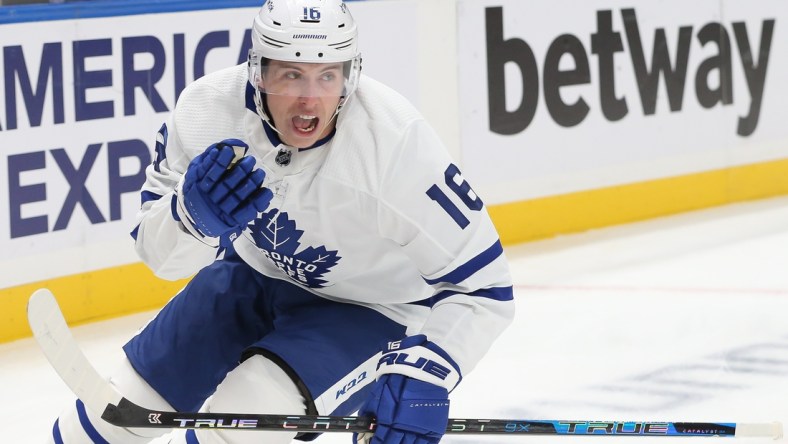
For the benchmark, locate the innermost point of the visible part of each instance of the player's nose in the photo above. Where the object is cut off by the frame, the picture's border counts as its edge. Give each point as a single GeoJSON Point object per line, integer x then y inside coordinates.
{"type": "Point", "coordinates": [309, 90]}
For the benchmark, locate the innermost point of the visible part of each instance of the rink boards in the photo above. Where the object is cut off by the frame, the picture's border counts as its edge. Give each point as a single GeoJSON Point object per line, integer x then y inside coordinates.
{"type": "Point", "coordinates": [563, 117]}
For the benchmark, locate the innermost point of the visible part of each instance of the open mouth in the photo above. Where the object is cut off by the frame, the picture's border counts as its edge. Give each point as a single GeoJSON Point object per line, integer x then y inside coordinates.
{"type": "Point", "coordinates": [305, 124]}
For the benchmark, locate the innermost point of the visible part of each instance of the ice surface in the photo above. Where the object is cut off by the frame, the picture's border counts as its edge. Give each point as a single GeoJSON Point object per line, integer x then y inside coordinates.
{"type": "Point", "coordinates": [682, 318]}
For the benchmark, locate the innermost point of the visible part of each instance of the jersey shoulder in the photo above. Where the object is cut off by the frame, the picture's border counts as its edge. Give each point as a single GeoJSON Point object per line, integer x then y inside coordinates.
{"type": "Point", "coordinates": [219, 84]}
{"type": "Point", "coordinates": [211, 108]}
{"type": "Point", "coordinates": [382, 106]}
{"type": "Point", "coordinates": [374, 131]}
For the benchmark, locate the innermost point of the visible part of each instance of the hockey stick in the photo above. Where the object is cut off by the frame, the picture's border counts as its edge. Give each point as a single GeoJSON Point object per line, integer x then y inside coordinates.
{"type": "Point", "coordinates": [55, 339]}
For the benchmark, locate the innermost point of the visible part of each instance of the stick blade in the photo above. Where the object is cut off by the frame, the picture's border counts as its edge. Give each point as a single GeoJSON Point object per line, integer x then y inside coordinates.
{"type": "Point", "coordinates": [53, 336]}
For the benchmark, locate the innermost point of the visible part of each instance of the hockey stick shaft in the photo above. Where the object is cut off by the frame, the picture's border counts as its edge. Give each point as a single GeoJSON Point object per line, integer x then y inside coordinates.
{"type": "Point", "coordinates": [67, 359]}
{"type": "Point", "coordinates": [128, 414]}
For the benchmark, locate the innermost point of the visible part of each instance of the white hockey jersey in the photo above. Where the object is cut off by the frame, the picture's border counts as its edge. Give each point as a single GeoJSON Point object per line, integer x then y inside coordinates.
{"type": "Point", "coordinates": [378, 215]}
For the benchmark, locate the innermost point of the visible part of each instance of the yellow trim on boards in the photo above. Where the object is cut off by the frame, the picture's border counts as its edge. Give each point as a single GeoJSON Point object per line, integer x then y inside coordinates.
{"type": "Point", "coordinates": [88, 297]}
{"type": "Point", "coordinates": [132, 288]}
{"type": "Point", "coordinates": [530, 220]}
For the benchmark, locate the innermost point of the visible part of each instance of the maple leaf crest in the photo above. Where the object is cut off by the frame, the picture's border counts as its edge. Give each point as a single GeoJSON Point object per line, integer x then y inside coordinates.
{"type": "Point", "coordinates": [278, 237]}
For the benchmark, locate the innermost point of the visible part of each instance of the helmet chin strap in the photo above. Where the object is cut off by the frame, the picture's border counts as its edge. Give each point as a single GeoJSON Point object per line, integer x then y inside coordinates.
{"type": "Point", "coordinates": [262, 110]}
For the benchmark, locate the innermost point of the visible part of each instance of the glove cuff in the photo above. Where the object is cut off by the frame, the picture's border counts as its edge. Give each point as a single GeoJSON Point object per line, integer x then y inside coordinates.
{"type": "Point", "coordinates": [186, 219]}
{"type": "Point", "coordinates": [426, 362]}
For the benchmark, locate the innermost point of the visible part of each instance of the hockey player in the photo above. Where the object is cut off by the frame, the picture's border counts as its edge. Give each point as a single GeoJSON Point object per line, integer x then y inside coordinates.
{"type": "Point", "coordinates": [324, 223]}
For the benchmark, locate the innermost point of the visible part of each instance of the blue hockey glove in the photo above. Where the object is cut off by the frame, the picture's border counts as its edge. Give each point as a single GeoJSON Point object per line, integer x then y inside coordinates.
{"type": "Point", "coordinates": [220, 197]}
{"type": "Point", "coordinates": [410, 399]}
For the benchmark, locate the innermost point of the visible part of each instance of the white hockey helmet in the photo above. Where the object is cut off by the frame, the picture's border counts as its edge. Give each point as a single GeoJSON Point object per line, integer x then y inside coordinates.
{"type": "Point", "coordinates": [308, 31]}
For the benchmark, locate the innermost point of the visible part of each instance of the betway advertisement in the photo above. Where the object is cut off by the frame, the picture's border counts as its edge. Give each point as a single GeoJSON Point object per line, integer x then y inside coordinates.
{"type": "Point", "coordinates": [563, 96]}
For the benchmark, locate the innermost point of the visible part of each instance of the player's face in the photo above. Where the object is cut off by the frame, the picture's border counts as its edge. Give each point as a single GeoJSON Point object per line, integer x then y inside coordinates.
{"type": "Point", "coordinates": [302, 98]}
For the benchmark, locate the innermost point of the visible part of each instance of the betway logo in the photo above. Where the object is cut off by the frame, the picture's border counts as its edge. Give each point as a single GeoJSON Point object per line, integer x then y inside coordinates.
{"type": "Point", "coordinates": [713, 76]}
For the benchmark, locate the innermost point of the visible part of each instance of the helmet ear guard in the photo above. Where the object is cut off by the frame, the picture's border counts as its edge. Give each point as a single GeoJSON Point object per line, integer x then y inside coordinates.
{"type": "Point", "coordinates": [304, 31]}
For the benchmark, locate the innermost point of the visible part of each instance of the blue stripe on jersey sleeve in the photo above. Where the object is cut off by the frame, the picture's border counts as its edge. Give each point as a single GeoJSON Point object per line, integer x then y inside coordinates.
{"type": "Point", "coordinates": [161, 147]}
{"type": "Point", "coordinates": [147, 196]}
{"type": "Point", "coordinates": [467, 269]}
{"type": "Point", "coordinates": [495, 293]}
{"type": "Point", "coordinates": [174, 207]}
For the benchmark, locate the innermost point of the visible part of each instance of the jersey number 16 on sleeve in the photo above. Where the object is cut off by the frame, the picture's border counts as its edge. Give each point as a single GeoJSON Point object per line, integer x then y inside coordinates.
{"type": "Point", "coordinates": [462, 190]}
